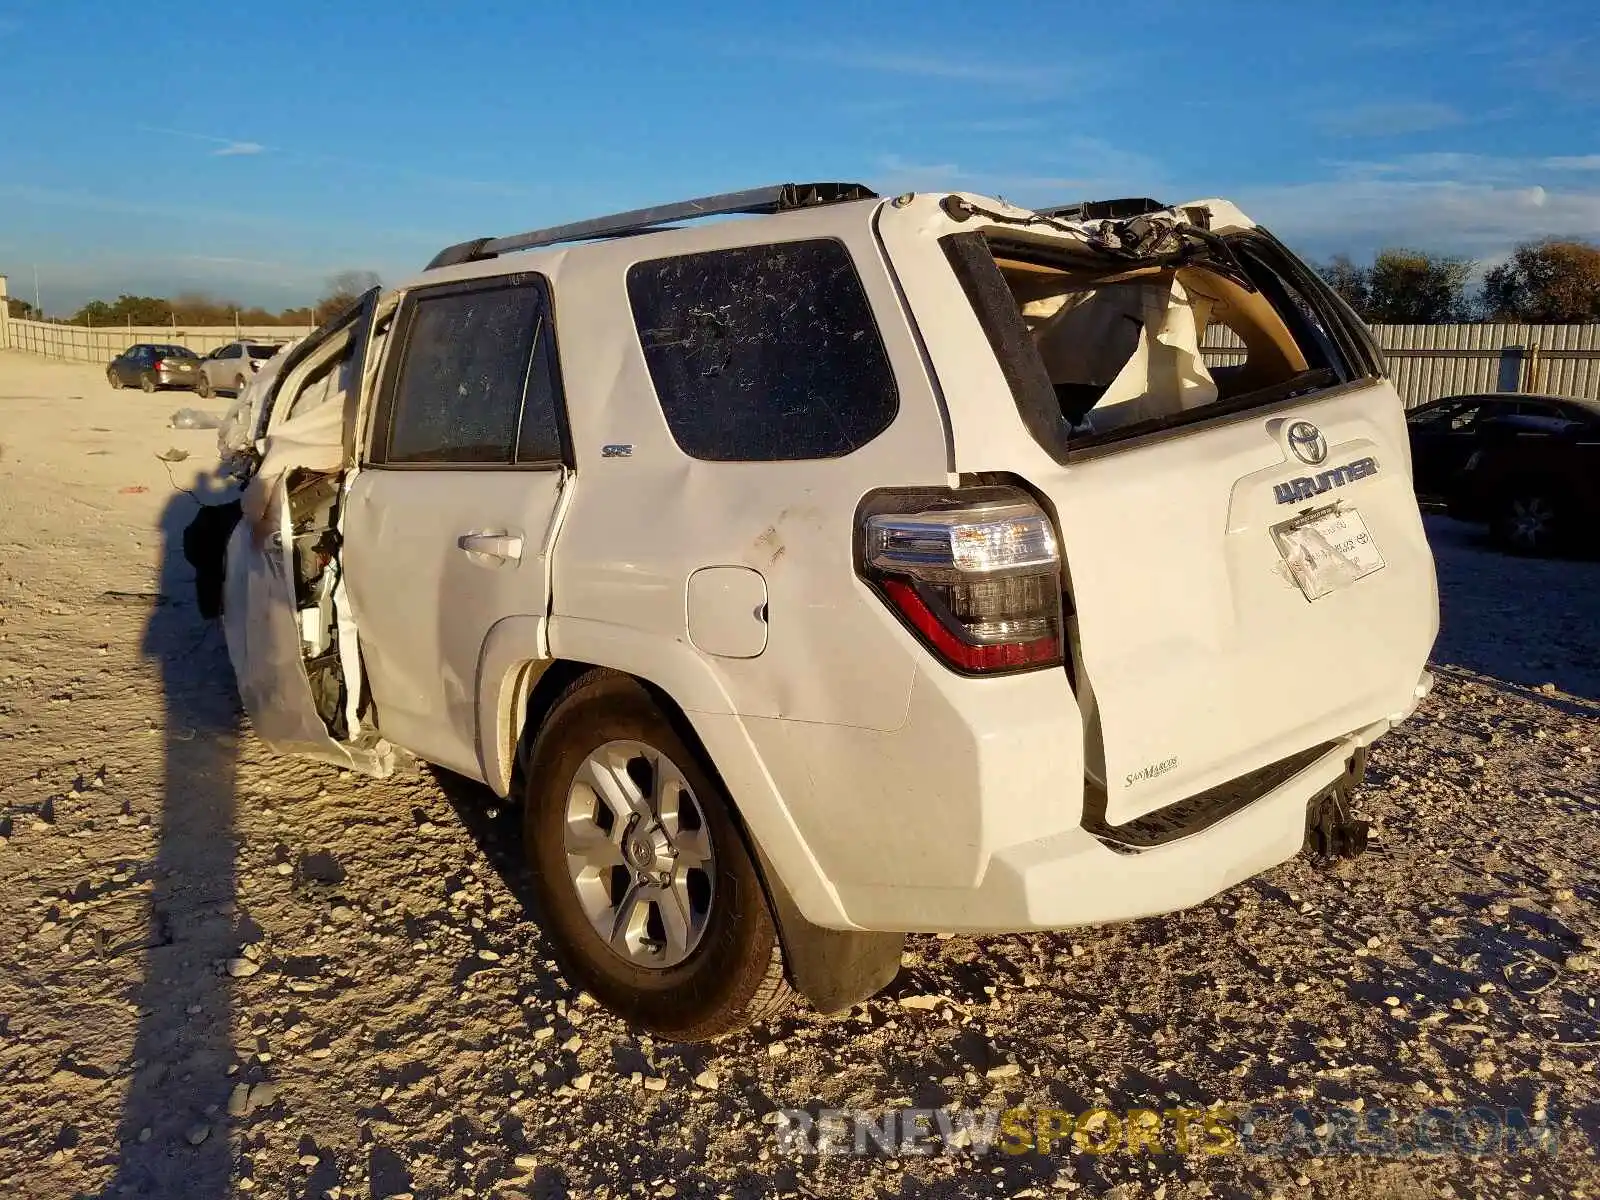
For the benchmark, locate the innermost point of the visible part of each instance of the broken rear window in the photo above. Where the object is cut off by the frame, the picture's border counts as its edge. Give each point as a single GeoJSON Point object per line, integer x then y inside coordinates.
{"type": "Point", "coordinates": [1098, 349]}
{"type": "Point", "coordinates": [764, 353]}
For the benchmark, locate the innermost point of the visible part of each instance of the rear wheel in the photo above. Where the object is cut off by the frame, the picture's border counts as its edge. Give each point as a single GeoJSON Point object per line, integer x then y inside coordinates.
{"type": "Point", "coordinates": [202, 386]}
{"type": "Point", "coordinates": [648, 893]}
{"type": "Point", "coordinates": [147, 383]}
{"type": "Point", "coordinates": [1529, 522]}
{"type": "Point", "coordinates": [114, 380]}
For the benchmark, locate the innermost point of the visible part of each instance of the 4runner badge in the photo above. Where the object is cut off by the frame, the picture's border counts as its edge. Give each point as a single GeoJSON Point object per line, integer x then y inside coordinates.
{"type": "Point", "coordinates": [1306, 487]}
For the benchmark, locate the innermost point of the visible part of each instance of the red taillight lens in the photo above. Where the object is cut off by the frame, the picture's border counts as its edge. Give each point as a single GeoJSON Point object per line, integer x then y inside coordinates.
{"type": "Point", "coordinates": [161, 364]}
{"type": "Point", "coordinates": [975, 574]}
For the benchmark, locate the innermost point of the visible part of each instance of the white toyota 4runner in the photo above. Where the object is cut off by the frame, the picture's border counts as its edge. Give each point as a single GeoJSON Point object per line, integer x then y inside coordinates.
{"type": "Point", "coordinates": [857, 567]}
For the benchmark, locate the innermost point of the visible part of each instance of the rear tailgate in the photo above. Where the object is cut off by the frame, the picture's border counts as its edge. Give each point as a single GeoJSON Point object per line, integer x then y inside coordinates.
{"type": "Point", "coordinates": [1247, 569]}
{"type": "Point", "coordinates": [1203, 658]}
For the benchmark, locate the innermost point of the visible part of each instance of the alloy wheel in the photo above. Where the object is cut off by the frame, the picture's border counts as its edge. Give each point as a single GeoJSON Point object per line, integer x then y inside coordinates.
{"type": "Point", "coordinates": [639, 854]}
{"type": "Point", "coordinates": [1531, 519]}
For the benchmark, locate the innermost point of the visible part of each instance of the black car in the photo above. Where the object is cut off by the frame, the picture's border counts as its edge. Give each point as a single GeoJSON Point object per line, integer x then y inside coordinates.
{"type": "Point", "coordinates": [152, 365]}
{"type": "Point", "coordinates": [1444, 433]}
{"type": "Point", "coordinates": [1529, 467]}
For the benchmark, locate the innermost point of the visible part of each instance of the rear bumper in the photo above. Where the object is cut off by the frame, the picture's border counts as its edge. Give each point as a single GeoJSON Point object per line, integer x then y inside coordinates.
{"type": "Point", "coordinates": [1075, 878]}
{"type": "Point", "coordinates": [177, 379]}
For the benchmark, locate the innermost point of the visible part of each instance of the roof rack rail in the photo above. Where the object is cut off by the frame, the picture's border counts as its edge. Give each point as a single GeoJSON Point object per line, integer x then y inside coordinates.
{"type": "Point", "coordinates": [1105, 210]}
{"type": "Point", "coordinates": [762, 201]}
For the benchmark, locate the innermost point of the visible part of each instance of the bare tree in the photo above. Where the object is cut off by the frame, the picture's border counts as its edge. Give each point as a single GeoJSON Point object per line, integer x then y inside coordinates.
{"type": "Point", "coordinates": [343, 290]}
{"type": "Point", "coordinates": [1353, 283]}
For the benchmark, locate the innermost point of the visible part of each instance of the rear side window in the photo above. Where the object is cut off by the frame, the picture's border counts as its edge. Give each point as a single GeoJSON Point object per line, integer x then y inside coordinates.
{"type": "Point", "coordinates": [463, 372]}
{"type": "Point", "coordinates": [764, 353]}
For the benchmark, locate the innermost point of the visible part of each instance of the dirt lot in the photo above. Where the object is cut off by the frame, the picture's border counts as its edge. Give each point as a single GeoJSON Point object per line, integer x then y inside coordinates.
{"type": "Point", "coordinates": [224, 973]}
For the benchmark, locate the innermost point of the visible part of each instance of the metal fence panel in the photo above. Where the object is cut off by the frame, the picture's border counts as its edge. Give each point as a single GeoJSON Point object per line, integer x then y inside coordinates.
{"type": "Point", "coordinates": [1425, 361]}
{"type": "Point", "coordinates": [80, 343]}
{"type": "Point", "coordinates": [1429, 361]}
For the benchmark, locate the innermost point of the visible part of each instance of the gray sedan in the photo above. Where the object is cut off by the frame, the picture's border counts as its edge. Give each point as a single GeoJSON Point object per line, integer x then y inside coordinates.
{"type": "Point", "coordinates": [153, 365]}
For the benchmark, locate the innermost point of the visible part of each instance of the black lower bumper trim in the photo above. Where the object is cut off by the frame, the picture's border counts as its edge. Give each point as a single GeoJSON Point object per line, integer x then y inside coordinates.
{"type": "Point", "coordinates": [1200, 811]}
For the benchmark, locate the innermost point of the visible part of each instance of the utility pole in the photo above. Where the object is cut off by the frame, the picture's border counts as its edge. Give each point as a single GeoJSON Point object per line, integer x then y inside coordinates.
{"type": "Point", "coordinates": [37, 307]}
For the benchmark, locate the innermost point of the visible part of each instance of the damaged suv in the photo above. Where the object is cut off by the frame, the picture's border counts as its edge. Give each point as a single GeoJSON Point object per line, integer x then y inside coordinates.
{"type": "Point", "coordinates": [859, 567]}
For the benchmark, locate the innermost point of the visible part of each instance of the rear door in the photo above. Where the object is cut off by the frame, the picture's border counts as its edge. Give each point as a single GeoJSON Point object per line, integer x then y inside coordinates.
{"type": "Point", "coordinates": [1247, 569]}
{"type": "Point", "coordinates": [267, 629]}
{"type": "Point", "coordinates": [449, 525]}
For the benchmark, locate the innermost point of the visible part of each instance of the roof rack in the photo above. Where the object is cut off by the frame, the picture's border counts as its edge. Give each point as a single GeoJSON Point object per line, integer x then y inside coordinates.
{"type": "Point", "coordinates": [1105, 210]}
{"type": "Point", "coordinates": [763, 201]}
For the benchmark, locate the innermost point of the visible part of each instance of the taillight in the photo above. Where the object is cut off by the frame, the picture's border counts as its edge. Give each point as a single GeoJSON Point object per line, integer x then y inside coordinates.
{"type": "Point", "coordinates": [975, 574]}
{"type": "Point", "coordinates": [161, 364]}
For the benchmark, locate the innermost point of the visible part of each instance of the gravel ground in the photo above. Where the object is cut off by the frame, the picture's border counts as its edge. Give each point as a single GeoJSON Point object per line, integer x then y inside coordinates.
{"type": "Point", "coordinates": [223, 972]}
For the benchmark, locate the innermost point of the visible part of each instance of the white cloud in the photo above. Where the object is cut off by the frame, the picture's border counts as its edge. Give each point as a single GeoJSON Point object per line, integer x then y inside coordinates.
{"type": "Point", "coordinates": [1471, 205]}
{"type": "Point", "coordinates": [1089, 169]}
{"type": "Point", "coordinates": [1013, 77]}
{"type": "Point", "coordinates": [1566, 71]}
{"type": "Point", "coordinates": [1389, 119]}
{"type": "Point", "coordinates": [237, 148]}
{"type": "Point", "coordinates": [1362, 216]}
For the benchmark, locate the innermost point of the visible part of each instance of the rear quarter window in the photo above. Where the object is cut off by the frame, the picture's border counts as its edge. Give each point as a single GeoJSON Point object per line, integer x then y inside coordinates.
{"type": "Point", "coordinates": [763, 353]}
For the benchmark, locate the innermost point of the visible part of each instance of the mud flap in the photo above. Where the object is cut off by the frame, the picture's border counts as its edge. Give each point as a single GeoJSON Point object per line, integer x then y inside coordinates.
{"type": "Point", "coordinates": [832, 968]}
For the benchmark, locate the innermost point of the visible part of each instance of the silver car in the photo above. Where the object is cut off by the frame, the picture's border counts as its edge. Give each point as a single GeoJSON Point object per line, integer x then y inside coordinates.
{"type": "Point", "coordinates": [228, 368]}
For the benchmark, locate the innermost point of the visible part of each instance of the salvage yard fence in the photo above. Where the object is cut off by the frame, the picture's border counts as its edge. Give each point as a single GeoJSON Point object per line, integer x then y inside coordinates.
{"type": "Point", "coordinates": [1429, 361]}
{"type": "Point", "coordinates": [1425, 361]}
{"type": "Point", "coordinates": [84, 343]}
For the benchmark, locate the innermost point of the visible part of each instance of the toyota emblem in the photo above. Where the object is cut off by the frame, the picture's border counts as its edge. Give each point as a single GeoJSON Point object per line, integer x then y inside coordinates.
{"type": "Point", "coordinates": [1307, 442]}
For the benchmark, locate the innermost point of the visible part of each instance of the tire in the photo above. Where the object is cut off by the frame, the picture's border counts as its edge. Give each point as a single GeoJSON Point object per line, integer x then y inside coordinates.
{"type": "Point", "coordinates": [147, 383]}
{"type": "Point", "coordinates": [719, 966]}
{"type": "Point", "coordinates": [1529, 521]}
{"type": "Point", "coordinates": [202, 386]}
{"type": "Point", "coordinates": [114, 380]}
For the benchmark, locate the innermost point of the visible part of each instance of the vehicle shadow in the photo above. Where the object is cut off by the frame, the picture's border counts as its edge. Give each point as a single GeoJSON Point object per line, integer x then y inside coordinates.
{"type": "Point", "coordinates": [172, 1140]}
{"type": "Point", "coordinates": [496, 826]}
{"type": "Point", "coordinates": [1526, 621]}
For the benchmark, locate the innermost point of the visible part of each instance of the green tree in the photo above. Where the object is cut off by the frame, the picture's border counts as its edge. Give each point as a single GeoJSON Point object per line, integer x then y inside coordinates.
{"type": "Point", "coordinates": [125, 310]}
{"type": "Point", "coordinates": [1553, 281]}
{"type": "Point", "coordinates": [21, 309]}
{"type": "Point", "coordinates": [1412, 287]}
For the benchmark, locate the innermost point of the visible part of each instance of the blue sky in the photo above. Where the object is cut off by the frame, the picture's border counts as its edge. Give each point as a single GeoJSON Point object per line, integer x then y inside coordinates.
{"type": "Point", "coordinates": [253, 150]}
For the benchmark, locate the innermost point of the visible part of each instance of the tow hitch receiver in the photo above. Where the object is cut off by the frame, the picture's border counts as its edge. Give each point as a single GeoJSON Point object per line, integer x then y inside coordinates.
{"type": "Point", "coordinates": [1331, 832]}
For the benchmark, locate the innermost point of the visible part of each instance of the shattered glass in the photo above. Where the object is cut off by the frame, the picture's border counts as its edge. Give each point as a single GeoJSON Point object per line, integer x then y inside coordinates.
{"type": "Point", "coordinates": [764, 353]}
{"type": "Point", "coordinates": [466, 365]}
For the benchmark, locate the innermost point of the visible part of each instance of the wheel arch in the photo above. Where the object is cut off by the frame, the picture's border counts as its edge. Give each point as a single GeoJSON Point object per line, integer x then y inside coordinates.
{"type": "Point", "coordinates": [832, 967]}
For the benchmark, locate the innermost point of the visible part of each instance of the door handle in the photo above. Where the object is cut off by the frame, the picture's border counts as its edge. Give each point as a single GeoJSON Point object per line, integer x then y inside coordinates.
{"type": "Point", "coordinates": [506, 547]}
